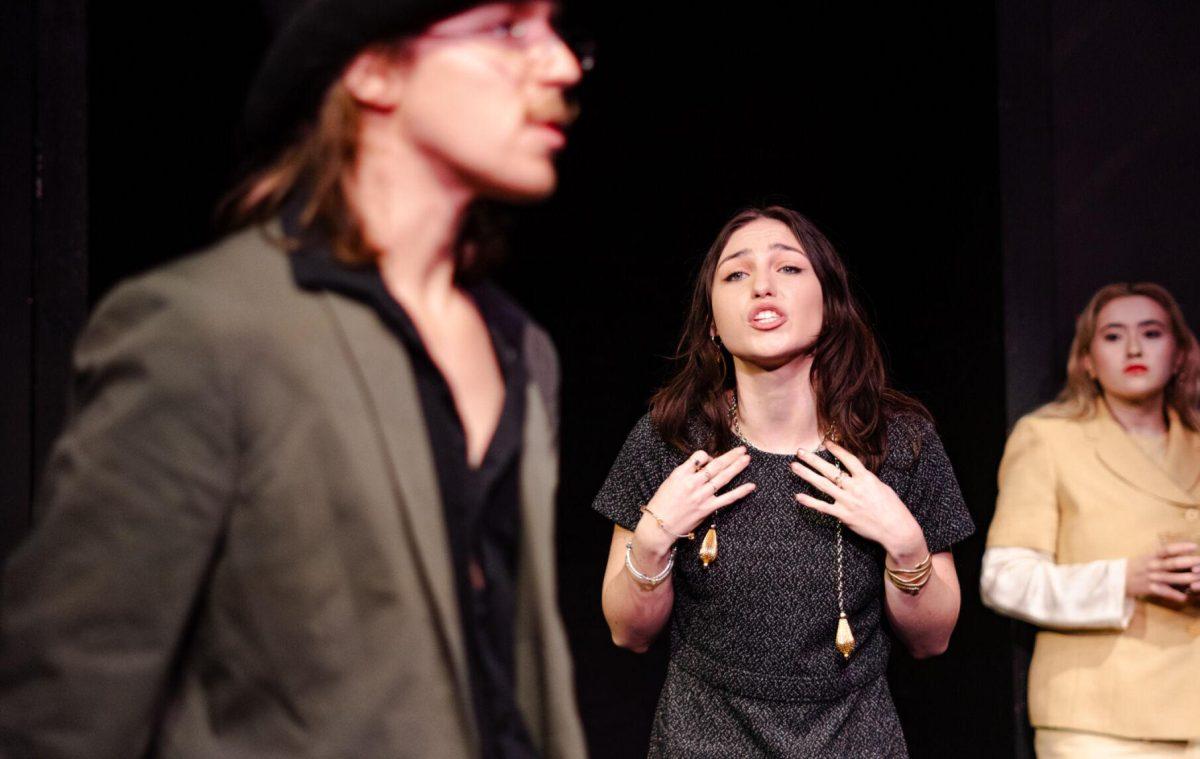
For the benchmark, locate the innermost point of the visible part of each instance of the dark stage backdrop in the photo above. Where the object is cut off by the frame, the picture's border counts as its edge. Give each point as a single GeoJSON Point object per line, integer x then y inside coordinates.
{"type": "Point", "coordinates": [1100, 178]}
{"type": "Point", "coordinates": [881, 127]}
{"type": "Point", "coordinates": [1100, 110]}
{"type": "Point", "coordinates": [880, 124]}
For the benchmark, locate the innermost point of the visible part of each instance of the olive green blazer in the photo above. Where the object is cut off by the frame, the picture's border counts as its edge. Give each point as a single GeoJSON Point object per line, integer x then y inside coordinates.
{"type": "Point", "coordinates": [1083, 491]}
{"type": "Point", "coordinates": [240, 548]}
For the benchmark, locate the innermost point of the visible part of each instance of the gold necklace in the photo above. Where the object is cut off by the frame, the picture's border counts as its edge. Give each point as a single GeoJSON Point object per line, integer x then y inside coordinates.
{"type": "Point", "coordinates": [843, 639]}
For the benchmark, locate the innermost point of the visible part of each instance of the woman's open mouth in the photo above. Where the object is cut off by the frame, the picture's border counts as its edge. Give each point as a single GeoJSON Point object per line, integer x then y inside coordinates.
{"type": "Point", "coordinates": [766, 318]}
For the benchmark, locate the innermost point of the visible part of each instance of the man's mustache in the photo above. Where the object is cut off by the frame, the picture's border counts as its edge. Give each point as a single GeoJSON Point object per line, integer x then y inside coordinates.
{"type": "Point", "coordinates": [553, 108]}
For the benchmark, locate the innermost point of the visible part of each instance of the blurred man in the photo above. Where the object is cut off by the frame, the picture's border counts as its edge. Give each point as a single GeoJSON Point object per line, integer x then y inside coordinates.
{"type": "Point", "coordinates": [304, 504]}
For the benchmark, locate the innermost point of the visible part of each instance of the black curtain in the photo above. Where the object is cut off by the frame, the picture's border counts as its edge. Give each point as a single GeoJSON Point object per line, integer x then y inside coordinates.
{"type": "Point", "coordinates": [981, 169]}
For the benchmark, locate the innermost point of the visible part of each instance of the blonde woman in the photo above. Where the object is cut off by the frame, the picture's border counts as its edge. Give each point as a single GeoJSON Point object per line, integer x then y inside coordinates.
{"type": "Point", "coordinates": [1095, 536]}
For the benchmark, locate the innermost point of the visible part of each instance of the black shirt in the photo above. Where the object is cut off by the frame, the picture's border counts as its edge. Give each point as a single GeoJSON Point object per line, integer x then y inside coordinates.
{"type": "Point", "coordinates": [481, 506]}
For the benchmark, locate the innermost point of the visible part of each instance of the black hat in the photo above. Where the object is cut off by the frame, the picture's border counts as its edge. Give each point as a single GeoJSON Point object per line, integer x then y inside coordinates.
{"type": "Point", "coordinates": [312, 41]}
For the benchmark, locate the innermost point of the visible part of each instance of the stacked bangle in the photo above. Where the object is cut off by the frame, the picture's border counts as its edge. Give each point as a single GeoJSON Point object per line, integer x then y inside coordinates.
{"type": "Point", "coordinates": [663, 527]}
{"type": "Point", "coordinates": [911, 580]}
{"type": "Point", "coordinates": [645, 580]}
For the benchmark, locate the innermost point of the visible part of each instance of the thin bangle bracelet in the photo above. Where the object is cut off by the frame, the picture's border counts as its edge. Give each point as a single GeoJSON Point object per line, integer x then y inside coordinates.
{"type": "Point", "coordinates": [643, 579]}
{"type": "Point", "coordinates": [912, 580]}
{"type": "Point", "coordinates": [921, 567]}
{"type": "Point", "coordinates": [663, 527]}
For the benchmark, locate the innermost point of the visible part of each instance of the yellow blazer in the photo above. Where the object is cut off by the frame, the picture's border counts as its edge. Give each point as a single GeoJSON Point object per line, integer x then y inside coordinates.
{"type": "Point", "coordinates": [1082, 490]}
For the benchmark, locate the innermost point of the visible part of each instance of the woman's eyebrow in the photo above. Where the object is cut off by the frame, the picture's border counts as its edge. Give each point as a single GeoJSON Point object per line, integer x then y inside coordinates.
{"type": "Point", "coordinates": [1142, 323]}
{"type": "Point", "coordinates": [785, 246]}
{"type": "Point", "coordinates": [732, 256]}
{"type": "Point", "coordinates": [772, 246]}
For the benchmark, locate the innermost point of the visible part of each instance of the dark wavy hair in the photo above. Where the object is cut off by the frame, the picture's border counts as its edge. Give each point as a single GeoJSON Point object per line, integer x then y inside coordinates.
{"type": "Point", "coordinates": [848, 379]}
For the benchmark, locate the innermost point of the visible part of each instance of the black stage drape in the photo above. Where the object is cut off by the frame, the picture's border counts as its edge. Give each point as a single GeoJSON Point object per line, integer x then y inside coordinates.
{"type": "Point", "coordinates": [982, 169]}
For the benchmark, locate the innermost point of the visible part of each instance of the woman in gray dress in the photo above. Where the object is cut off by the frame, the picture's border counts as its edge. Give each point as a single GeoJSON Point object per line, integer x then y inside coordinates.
{"type": "Point", "coordinates": [775, 504]}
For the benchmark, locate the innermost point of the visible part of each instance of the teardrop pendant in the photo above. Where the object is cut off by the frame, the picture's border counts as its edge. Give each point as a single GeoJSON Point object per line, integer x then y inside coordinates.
{"type": "Point", "coordinates": [708, 549]}
{"type": "Point", "coordinates": [845, 637]}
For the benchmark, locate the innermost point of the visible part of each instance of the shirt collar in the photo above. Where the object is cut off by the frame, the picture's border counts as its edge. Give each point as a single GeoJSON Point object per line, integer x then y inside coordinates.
{"type": "Point", "coordinates": [314, 267]}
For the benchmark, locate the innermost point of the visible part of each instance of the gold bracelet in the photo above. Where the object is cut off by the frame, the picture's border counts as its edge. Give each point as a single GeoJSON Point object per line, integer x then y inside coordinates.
{"type": "Point", "coordinates": [911, 581]}
{"type": "Point", "coordinates": [912, 587]}
{"type": "Point", "coordinates": [663, 527]}
{"type": "Point", "coordinates": [920, 568]}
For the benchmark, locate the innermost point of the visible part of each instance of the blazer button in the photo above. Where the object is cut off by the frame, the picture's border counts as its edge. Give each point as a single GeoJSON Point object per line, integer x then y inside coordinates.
{"type": "Point", "coordinates": [1192, 515]}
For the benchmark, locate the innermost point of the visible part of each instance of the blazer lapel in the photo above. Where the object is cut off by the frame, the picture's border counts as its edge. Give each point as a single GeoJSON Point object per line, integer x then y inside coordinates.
{"type": "Point", "coordinates": [1126, 460]}
{"type": "Point", "coordinates": [539, 469]}
{"type": "Point", "coordinates": [386, 374]}
{"type": "Point", "coordinates": [539, 463]}
{"type": "Point", "coordinates": [1183, 455]}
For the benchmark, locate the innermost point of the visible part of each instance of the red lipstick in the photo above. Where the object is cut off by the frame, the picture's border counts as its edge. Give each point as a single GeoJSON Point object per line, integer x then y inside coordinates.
{"type": "Point", "coordinates": [1137, 369]}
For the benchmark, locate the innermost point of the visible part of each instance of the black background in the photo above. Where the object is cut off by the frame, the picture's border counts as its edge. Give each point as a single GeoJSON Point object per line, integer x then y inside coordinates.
{"type": "Point", "coordinates": [981, 169]}
{"type": "Point", "coordinates": [880, 126]}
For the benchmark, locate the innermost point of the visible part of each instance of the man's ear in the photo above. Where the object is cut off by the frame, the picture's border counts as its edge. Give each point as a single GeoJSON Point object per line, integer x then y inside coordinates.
{"type": "Point", "coordinates": [375, 78]}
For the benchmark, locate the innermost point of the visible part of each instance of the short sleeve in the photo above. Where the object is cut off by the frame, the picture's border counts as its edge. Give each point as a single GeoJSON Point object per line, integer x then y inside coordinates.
{"type": "Point", "coordinates": [933, 495]}
{"type": "Point", "coordinates": [1026, 506]}
{"type": "Point", "coordinates": [640, 468]}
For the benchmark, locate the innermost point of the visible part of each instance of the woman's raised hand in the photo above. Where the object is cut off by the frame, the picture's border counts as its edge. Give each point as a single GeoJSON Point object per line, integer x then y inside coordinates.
{"type": "Point", "coordinates": [862, 501]}
{"type": "Point", "coordinates": [691, 492]}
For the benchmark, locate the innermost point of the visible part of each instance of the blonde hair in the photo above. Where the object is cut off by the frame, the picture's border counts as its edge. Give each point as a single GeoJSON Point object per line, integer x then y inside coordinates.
{"type": "Point", "coordinates": [1079, 395]}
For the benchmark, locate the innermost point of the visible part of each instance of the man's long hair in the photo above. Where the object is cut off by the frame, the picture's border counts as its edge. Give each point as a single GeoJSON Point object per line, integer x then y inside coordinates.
{"type": "Point", "coordinates": [313, 166]}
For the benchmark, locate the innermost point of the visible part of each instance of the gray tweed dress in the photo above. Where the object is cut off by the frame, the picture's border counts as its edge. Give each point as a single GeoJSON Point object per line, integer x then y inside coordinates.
{"type": "Point", "coordinates": [753, 670]}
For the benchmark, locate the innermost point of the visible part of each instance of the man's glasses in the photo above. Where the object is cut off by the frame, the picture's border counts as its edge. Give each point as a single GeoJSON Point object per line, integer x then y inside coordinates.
{"type": "Point", "coordinates": [530, 33]}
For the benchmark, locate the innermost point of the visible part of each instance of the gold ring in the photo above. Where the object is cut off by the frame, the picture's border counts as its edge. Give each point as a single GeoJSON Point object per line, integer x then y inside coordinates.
{"type": "Point", "coordinates": [697, 465]}
{"type": "Point", "coordinates": [837, 481]}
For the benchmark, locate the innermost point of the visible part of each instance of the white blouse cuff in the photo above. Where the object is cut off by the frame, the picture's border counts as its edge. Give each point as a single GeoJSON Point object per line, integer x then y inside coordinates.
{"type": "Point", "coordinates": [1027, 584]}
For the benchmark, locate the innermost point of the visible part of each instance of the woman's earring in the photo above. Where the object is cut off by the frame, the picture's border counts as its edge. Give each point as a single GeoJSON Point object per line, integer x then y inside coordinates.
{"type": "Point", "coordinates": [720, 359]}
